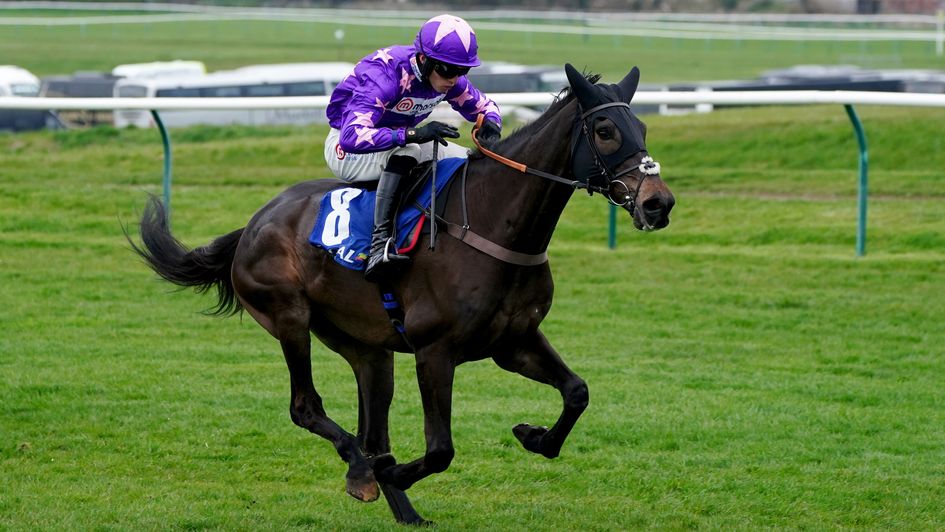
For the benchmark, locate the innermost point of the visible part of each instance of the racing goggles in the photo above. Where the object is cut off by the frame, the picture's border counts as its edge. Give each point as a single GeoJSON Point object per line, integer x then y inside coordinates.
{"type": "Point", "coordinates": [449, 71]}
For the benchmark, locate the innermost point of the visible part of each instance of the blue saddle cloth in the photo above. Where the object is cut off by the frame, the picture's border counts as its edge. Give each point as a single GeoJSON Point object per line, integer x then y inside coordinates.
{"type": "Point", "coordinates": [346, 218]}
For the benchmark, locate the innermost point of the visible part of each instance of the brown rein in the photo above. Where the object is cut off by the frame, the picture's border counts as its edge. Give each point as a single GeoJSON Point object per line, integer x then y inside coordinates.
{"type": "Point", "coordinates": [484, 245]}
{"type": "Point", "coordinates": [517, 165]}
{"type": "Point", "coordinates": [479, 242]}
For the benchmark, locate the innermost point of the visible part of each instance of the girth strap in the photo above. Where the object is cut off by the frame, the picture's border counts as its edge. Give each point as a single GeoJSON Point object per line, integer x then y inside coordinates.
{"type": "Point", "coordinates": [395, 313]}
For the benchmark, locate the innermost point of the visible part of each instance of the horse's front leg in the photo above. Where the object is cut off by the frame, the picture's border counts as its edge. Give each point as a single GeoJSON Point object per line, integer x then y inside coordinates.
{"type": "Point", "coordinates": [533, 357]}
{"type": "Point", "coordinates": [435, 373]}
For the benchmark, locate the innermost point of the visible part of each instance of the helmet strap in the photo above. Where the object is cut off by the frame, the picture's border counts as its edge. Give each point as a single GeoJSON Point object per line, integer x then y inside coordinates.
{"type": "Point", "coordinates": [425, 68]}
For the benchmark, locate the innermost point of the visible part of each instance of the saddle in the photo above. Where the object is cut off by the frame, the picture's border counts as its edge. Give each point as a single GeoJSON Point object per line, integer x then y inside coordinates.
{"type": "Point", "coordinates": [346, 214]}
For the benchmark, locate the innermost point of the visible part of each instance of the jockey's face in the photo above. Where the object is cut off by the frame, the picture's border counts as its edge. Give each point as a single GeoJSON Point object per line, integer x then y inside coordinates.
{"type": "Point", "coordinates": [442, 76]}
{"type": "Point", "coordinates": [441, 84]}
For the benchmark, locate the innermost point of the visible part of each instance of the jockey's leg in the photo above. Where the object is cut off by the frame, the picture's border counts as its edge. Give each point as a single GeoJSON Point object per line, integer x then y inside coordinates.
{"type": "Point", "coordinates": [384, 255]}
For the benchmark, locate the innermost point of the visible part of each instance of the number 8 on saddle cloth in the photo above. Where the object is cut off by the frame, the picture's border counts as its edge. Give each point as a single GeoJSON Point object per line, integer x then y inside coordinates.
{"type": "Point", "coordinates": [346, 218]}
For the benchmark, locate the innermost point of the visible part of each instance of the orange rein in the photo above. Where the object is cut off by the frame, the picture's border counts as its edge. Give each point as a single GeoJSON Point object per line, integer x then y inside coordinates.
{"type": "Point", "coordinates": [491, 154]}
{"type": "Point", "coordinates": [516, 165]}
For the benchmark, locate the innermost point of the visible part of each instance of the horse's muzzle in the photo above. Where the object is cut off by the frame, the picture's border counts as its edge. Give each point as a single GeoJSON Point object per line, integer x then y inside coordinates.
{"type": "Point", "coordinates": [652, 213]}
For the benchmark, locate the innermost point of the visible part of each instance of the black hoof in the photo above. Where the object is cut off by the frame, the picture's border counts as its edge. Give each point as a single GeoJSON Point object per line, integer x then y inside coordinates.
{"type": "Point", "coordinates": [419, 522]}
{"type": "Point", "coordinates": [400, 506]}
{"type": "Point", "coordinates": [531, 439]}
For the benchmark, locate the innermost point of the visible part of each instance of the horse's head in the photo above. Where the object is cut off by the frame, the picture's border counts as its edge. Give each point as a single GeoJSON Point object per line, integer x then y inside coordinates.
{"type": "Point", "coordinates": [608, 150]}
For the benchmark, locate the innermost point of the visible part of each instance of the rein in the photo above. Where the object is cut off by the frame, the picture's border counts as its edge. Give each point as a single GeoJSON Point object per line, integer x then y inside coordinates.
{"type": "Point", "coordinates": [647, 166]}
{"type": "Point", "coordinates": [462, 232]}
{"type": "Point", "coordinates": [516, 165]}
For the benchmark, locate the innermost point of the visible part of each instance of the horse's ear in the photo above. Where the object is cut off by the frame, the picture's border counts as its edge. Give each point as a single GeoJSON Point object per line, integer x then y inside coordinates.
{"type": "Point", "coordinates": [583, 89]}
{"type": "Point", "coordinates": [628, 85]}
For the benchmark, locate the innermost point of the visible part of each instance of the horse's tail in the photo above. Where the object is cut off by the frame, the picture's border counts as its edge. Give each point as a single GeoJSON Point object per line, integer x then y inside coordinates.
{"type": "Point", "coordinates": [200, 268]}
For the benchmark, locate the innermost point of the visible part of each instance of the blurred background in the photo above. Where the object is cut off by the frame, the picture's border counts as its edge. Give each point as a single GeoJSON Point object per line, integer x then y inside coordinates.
{"type": "Point", "coordinates": [77, 49]}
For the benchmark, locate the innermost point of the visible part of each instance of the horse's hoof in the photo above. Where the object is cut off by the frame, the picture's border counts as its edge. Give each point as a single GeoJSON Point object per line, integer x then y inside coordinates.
{"type": "Point", "coordinates": [419, 522]}
{"type": "Point", "coordinates": [530, 437]}
{"type": "Point", "coordinates": [364, 489]}
{"type": "Point", "coordinates": [414, 520]}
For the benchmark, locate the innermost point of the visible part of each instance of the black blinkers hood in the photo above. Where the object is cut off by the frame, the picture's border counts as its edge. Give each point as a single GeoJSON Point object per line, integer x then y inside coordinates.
{"type": "Point", "coordinates": [586, 161]}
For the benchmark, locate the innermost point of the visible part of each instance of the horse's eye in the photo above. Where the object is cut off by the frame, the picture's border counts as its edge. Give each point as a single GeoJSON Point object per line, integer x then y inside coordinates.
{"type": "Point", "coordinates": [605, 133]}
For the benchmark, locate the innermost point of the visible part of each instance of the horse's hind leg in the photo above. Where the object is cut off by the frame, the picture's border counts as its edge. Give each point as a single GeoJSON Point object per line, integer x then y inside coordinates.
{"type": "Point", "coordinates": [375, 374]}
{"type": "Point", "coordinates": [374, 371]}
{"type": "Point", "coordinates": [533, 357]}
{"type": "Point", "coordinates": [291, 327]}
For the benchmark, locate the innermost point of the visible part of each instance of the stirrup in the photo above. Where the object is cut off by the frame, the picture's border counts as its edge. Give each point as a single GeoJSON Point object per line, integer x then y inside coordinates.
{"type": "Point", "coordinates": [388, 256]}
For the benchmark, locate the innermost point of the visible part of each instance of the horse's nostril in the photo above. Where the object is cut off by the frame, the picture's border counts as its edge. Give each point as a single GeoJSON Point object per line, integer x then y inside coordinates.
{"type": "Point", "coordinates": [653, 207]}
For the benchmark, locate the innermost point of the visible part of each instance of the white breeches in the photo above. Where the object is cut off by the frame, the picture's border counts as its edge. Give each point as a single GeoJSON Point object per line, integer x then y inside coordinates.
{"type": "Point", "coordinates": [353, 167]}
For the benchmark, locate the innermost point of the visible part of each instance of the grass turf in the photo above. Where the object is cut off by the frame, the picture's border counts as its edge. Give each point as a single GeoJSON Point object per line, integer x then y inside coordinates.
{"type": "Point", "coordinates": [746, 370]}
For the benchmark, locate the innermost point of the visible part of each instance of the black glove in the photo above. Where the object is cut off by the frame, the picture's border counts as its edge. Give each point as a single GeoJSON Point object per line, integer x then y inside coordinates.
{"type": "Point", "coordinates": [432, 131]}
{"type": "Point", "coordinates": [489, 134]}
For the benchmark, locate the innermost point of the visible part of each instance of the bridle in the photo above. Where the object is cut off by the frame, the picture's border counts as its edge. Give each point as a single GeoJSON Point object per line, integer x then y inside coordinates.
{"type": "Point", "coordinates": [647, 166]}
{"type": "Point", "coordinates": [606, 175]}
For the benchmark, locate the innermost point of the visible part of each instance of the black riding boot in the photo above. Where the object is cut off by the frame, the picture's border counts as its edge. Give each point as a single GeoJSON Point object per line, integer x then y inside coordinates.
{"type": "Point", "coordinates": [384, 258]}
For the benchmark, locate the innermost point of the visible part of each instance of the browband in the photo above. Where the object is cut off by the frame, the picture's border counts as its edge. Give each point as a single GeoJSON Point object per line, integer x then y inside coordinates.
{"type": "Point", "coordinates": [603, 106]}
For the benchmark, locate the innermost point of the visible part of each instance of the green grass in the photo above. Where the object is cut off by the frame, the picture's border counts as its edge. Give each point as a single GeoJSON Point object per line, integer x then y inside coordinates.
{"type": "Point", "coordinates": [48, 50]}
{"type": "Point", "coordinates": [746, 370]}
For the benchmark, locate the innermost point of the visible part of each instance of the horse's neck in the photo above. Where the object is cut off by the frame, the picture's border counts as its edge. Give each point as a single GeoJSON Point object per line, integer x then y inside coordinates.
{"type": "Point", "coordinates": [521, 211]}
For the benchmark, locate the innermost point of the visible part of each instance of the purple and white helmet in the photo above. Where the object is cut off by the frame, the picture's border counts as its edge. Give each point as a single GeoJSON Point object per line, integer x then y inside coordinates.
{"type": "Point", "coordinates": [448, 39]}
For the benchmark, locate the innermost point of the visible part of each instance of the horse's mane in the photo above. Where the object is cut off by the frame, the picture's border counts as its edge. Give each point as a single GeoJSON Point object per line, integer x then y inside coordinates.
{"type": "Point", "coordinates": [561, 99]}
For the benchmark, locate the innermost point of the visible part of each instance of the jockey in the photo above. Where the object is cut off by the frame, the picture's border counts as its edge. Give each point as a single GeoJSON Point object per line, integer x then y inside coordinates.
{"type": "Point", "coordinates": [374, 112]}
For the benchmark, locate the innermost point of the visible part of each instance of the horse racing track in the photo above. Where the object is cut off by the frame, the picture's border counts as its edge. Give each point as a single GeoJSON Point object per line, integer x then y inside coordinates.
{"type": "Point", "coordinates": [745, 369]}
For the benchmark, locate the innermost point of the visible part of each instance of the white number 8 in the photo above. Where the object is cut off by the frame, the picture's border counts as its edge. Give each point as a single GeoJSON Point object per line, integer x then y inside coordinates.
{"type": "Point", "coordinates": [337, 222]}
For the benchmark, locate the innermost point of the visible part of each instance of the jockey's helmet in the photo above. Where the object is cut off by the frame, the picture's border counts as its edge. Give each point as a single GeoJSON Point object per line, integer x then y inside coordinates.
{"type": "Point", "coordinates": [448, 39]}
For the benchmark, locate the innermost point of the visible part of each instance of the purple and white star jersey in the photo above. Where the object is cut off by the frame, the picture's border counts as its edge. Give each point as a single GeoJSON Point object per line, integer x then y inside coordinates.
{"type": "Point", "coordinates": [384, 95]}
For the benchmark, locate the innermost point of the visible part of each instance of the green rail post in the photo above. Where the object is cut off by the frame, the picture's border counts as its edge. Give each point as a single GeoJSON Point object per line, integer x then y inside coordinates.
{"type": "Point", "coordinates": [612, 232]}
{"type": "Point", "coordinates": [166, 139]}
{"type": "Point", "coordinates": [864, 171]}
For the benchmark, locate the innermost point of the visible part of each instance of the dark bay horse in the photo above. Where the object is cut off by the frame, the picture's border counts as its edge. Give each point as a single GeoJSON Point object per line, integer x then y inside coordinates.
{"type": "Point", "coordinates": [460, 303]}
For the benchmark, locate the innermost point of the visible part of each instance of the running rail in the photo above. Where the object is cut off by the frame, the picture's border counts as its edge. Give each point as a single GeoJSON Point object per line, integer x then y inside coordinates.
{"type": "Point", "coordinates": [747, 98]}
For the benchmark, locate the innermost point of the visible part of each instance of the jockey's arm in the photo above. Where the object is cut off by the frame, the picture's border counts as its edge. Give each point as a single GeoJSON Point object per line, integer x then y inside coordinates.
{"type": "Point", "coordinates": [470, 102]}
{"type": "Point", "coordinates": [359, 132]}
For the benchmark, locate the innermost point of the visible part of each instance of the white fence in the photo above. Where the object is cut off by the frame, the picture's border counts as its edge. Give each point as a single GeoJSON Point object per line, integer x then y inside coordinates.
{"type": "Point", "coordinates": [642, 97]}
{"type": "Point", "coordinates": [702, 98]}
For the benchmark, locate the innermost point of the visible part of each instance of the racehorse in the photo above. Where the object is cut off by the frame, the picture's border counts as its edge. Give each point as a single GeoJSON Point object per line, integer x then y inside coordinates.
{"type": "Point", "coordinates": [481, 293]}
